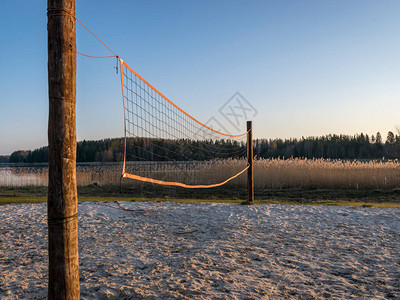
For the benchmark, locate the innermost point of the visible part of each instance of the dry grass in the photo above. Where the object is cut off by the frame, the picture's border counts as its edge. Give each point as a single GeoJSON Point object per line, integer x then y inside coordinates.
{"type": "Point", "coordinates": [326, 174]}
{"type": "Point", "coordinates": [268, 174]}
{"type": "Point", "coordinates": [23, 176]}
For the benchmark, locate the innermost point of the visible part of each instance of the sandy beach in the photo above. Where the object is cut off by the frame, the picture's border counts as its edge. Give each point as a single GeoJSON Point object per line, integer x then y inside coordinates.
{"type": "Point", "coordinates": [211, 251]}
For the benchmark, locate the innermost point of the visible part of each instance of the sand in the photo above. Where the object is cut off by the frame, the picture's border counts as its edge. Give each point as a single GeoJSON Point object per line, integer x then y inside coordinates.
{"type": "Point", "coordinates": [211, 251]}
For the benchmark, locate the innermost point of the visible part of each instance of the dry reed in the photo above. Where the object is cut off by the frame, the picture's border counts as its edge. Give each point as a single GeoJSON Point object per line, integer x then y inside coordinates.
{"type": "Point", "coordinates": [268, 173]}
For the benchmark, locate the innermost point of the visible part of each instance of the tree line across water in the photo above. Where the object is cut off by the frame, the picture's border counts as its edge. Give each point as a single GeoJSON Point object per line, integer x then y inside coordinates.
{"type": "Point", "coordinates": [359, 146]}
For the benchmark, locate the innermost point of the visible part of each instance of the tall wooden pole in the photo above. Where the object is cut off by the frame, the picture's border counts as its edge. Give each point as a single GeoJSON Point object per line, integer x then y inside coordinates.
{"type": "Point", "coordinates": [62, 204]}
{"type": "Point", "coordinates": [250, 177]}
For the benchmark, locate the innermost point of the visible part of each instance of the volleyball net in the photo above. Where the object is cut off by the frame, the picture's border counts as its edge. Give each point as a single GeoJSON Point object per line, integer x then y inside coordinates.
{"type": "Point", "coordinates": [166, 145]}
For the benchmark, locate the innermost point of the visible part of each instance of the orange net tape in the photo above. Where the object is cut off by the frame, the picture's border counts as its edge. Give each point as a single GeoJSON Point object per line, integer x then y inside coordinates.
{"type": "Point", "coordinates": [122, 63]}
{"type": "Point", "coordinates": [189, 186]}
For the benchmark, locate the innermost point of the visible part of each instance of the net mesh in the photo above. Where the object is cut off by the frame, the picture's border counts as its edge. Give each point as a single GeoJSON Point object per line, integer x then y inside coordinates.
{"type": "Point", "coordinates": [166, 145]}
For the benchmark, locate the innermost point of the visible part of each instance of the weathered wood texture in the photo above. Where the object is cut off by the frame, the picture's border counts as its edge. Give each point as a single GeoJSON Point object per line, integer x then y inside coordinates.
{"type": "Point", "coordinates": [62, 202]}
{"type": "Point", "coordinates": [250, 174]}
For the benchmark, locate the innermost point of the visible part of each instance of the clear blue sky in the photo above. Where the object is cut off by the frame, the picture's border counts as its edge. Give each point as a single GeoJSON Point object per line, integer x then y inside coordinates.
{"type": "Point", "coordinates": [308, 67]}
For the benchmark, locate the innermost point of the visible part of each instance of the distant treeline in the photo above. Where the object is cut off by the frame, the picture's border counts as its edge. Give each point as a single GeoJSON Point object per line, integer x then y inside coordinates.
{"type": "Point", "coordinates": [359, 146]}
{"type": "Point", "coordinates": [4, 159]}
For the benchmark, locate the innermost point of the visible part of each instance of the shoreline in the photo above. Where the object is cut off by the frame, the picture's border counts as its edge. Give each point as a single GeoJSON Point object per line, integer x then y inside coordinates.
{"type": "Point", "coordinates": [148, 192]}
{"type": "Point", "coordinates": [349, 203]}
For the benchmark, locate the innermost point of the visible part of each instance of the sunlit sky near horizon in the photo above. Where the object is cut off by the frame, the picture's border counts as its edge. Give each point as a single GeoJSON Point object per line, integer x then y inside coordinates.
{"type": "Point", "coordinates": [309, 68]}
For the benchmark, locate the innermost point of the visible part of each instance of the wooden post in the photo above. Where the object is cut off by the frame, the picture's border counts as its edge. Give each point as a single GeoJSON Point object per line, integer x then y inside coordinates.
{"type": "Point", "coordinates": [250, 177]}
{"type": "Point", "coordinates": [62, 202]}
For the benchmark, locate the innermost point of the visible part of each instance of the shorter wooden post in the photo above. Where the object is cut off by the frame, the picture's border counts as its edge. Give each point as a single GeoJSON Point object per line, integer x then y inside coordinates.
{"type": "Point", "coordinates": [250, 175]}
